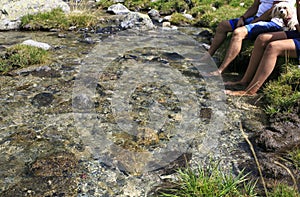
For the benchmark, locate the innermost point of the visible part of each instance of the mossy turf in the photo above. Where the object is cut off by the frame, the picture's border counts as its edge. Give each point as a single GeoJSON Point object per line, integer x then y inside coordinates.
{"type": "Point", "coordinates": [20, 56]}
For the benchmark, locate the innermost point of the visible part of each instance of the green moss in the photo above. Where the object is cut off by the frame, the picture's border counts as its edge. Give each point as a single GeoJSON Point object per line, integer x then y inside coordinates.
{"type": "Point", "coordinates": [20, 56]}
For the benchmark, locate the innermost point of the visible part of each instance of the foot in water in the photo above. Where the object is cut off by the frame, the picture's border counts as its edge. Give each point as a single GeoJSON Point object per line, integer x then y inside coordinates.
{"type": "Point", "coordinates": [213, 74]}
{"type": "Point", "coordinates": [239, 93]}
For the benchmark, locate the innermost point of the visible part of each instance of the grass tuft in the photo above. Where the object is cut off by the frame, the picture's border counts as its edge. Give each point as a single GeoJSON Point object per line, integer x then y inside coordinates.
{"type": "Point", "coordinates": [211, 181]}
{"type": "Point", "coordinates": [58, 19]}
{"type": "Point", "coordinates": [20, 56]}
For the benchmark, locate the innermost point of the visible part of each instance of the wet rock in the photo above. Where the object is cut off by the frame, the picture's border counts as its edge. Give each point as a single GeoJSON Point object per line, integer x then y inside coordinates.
{"type": "Point", "coordinates": [205, 46]}
{"type": "Point", "coordinates": [206, 34]}
{"type": "Point", "coordinates": [173, 56]}
{"type": "Point", "coordinates": [147, 136]}
{"type": "Point", "coordinates": [87, 40]}
{"type": "Point", "coordinates": [154, 15]}
{"type": "Point", "coordinates": [181, 162]}
{"type": "Point", "coordinates": [43, 186]}
{"type": "Point", "coordinates": [46, 71]}
{"type": "Point", "coordinates": [42, 99]}
{"type": "Point", "coordinates": [82, 101]}
{"type": "Point", "coordinates": [108, 30]}
{"type": "Point", "coordinates": [18, 8]}
{"type": "Point", "coordinates": [205, 113]}
{"type": "Point", "coordinates": [59, 164]}
{"type": "Point", "coordinates": [37, 44]}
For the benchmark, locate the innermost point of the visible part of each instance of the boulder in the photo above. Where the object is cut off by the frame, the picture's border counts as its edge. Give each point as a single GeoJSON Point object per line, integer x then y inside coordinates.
{"type": "Point", "coordinates": [118, 9]}
{"type": "Point", "coordinates": [137, 20]}
{"type": "Point", "coordinates": [15, 10]}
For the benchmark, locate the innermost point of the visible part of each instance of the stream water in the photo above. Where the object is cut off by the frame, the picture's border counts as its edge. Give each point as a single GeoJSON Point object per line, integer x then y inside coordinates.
{"type": "Point", "coordinates": [115, 117]}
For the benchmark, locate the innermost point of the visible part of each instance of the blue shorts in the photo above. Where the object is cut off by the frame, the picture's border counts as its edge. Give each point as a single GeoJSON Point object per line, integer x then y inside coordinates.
{"type": "Point", "coordinates": [254, 29]}
{"type": "Point", "coordinates": [295, 35]}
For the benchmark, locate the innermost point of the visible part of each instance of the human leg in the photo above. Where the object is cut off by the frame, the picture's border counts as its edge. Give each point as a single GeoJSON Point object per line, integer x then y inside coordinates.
{"type": "Point", "coordinates": [251, 30]}
{"type": "Point", "coordinates": [267, 64]}
{"type": "Point", "coordinates": [259, 46]}
{"type": "Point", "coordinates": [221, 33]}
{"type": "Point", "coordinates": [234, 49]}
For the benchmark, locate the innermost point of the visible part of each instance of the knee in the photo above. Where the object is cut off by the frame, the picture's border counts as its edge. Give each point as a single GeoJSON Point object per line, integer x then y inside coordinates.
{"type": "Point", "coordinates": [240, 33]}
{"type": "Point", "coordinates": [262, 40]}
{"type": "Point", "coordinates": [273, 48]}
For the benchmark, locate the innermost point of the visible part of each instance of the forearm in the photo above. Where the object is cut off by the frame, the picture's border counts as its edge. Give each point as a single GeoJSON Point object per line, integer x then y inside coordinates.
{"type": "Point", "coordinates": [251, 11]}
{"type": "Point", "coordinates": [265, 16]}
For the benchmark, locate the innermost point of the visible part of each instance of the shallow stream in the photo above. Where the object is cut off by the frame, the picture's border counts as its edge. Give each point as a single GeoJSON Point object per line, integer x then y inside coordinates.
{"type": "Point", "coordinates": [114, 116]}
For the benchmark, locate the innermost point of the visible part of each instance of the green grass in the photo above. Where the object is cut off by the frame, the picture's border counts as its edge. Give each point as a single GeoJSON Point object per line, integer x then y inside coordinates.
{"type": "Point", "coordinates": [45, 21]}
{"type": "Point", "coordinates": [20, 56]}
{"type": "Point", "coordinates": [210, 181]}
{"type": "Point", "coordinates": [295, 157]}
{"type": "Point", "coordinates": [283, 93]}
{"type": "Point", "coordinates": [201, 10]}
{"type": "Point", "coordinates": [58, 19]}
{"type": "Point", "coordinates": [283, 190]}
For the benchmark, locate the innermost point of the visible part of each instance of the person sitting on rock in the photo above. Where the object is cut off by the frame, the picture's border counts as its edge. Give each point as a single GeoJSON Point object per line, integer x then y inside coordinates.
{"type": "Point", "coordinates": [254, 21]}
{"type": "Point", "coordinates": [267, 48]}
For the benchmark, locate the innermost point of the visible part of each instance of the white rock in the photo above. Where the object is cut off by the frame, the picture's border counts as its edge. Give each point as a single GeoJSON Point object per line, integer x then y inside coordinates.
{"type": "Point", "coordinates": [118, 9]}
{"type": "Point", "coordinates": [137, 20]}
{"type": "Point", "coordinates": [188, 16]}
{"type": "Point", "coordinates": [41, 45]}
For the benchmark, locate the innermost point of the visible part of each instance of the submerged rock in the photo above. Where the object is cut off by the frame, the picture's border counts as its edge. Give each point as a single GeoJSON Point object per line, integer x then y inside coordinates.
{"type": "Point", "coordinates": [42, 99]}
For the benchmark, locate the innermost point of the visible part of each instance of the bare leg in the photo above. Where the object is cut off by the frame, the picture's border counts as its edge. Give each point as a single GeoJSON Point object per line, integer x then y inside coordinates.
{"type": "Point", "coordinates": [234, 49]}
{"type": "Point", "coordinates": [221, 33]}
{"type": "Point", "coordinates": [259, 46]}
{"type": "Point", "coordinates": [235, 46]}
{"type": "Point", "coordinates": [267, 64]}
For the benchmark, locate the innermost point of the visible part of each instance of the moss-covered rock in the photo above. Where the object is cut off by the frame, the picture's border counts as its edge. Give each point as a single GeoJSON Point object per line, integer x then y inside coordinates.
{"type": "Point", "coordinates": [18, 8]}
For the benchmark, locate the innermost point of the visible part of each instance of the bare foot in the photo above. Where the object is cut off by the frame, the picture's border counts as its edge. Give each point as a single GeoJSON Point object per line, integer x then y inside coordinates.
{"type": "Point", "coordinates": [235, 83]}
{"type": "Point", "coordinates": [213, 74]}
{"type": "Point", "coordinates": [239, 93]}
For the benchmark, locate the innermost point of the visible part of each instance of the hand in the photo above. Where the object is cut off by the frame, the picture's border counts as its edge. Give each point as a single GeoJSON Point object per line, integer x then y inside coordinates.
{"type": "Point", "coordinates": [255, 20]}
{"type": "Point", "coordinates": [240, 22]}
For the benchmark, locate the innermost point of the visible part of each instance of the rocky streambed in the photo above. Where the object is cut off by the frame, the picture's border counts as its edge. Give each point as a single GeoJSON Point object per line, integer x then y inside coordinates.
{"type": "Point", "coordinates": [116, 116]}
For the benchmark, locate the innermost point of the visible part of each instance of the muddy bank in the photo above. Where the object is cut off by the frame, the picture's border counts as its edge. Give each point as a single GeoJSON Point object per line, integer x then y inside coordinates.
{"type": "Point", "coordinates": [274, 144]}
